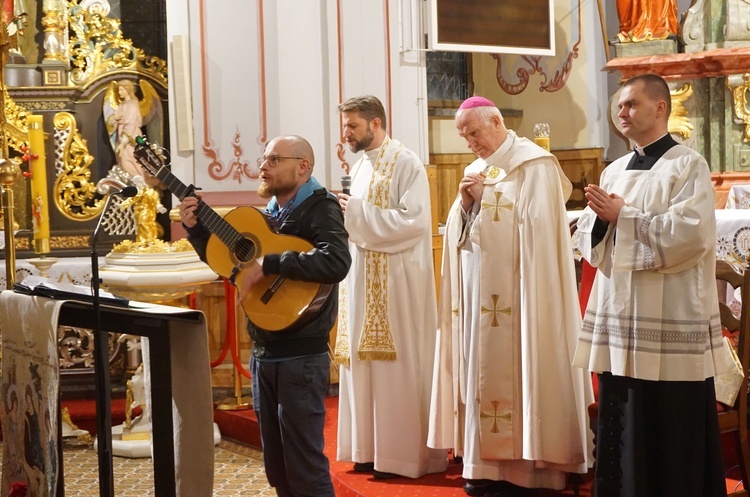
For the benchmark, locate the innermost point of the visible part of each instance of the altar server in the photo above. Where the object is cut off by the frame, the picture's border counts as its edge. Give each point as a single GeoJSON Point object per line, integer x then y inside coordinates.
{"type": "Point", "coordinates": [652, 326]}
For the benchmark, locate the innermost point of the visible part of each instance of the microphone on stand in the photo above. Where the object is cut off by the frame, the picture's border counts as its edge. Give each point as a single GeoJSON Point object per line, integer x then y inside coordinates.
{"type": "Point", "coordinates": [101, 362]}
{"type": "Point", "coordinates": [346, 184]}
{"type": "Point", "coordinates": [127, 192]}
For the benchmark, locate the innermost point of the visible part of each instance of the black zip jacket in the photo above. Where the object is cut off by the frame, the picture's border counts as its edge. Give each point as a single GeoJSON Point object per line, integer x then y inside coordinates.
{"type": "Point", "coordinates": [319, 220]}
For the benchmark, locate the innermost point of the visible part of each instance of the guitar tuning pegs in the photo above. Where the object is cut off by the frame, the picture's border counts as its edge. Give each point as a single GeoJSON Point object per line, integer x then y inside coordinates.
{"type": "Point", "coordinates": [140, 140]}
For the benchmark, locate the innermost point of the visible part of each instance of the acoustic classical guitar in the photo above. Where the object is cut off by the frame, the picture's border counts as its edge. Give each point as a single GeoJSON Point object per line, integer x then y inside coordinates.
{"type": "Point", "coordinates": [237, 240]}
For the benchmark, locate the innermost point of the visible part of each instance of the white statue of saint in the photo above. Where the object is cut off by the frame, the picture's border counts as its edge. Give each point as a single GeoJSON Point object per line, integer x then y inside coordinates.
{"type": "Point", "coordinates": [139, 427]}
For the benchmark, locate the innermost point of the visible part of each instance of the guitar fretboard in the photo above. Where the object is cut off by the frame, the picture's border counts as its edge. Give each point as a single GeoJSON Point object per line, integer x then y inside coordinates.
{"type": "Point", "coordinates": [210, 219]}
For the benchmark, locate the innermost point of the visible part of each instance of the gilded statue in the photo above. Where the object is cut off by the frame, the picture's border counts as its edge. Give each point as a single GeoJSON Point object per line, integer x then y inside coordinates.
{"type": "Point", "coordinates": [646, 20]}
{"type": "Point", "coordinates": [145, 206]}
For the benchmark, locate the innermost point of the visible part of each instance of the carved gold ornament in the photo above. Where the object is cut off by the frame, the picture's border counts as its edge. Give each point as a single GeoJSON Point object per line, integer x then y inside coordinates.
{"type": "Point", "coordinates": [74, 192]}
{"type": "Point", "coordinates": [678, 120]}
{"type": "Point", "coordinates": [740, 86]}
{"type": "Point", "coordinates": [98, 47]}
{"type": "Point", "coordinates": [16, 128]}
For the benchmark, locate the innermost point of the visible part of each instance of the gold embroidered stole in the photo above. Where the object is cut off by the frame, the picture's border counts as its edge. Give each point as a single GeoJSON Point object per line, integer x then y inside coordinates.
{"type": "Point", "coordinates": [499, 341]}
{"type": "Point", "coordinates": [341, 352]}
{"type": "Point", "coordinates": [376, 340]}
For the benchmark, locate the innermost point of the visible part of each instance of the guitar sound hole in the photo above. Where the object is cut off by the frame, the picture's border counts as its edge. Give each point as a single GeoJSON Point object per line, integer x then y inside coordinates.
{"type": "Point", "coordinates": [244, 250]}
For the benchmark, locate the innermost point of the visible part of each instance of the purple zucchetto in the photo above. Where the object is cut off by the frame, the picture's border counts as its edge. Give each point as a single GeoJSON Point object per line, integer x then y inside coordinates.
{"type": "Point", "coordinates": [473, 102]}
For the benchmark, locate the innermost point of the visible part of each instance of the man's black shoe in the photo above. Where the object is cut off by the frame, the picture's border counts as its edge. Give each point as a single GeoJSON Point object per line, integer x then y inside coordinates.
{"type": "Point", "coordinates": [477, 488]}
{"type": "Point", "coordinates": [382, 475]}
{"type": "Point", "coordinates": [364, 467]}
{"type": "Point", "coordinates": [507, 489]}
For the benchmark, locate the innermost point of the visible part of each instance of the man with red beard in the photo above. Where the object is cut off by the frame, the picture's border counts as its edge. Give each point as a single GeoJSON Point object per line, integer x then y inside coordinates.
{"type": "Point", "coordinates": [290, 368]}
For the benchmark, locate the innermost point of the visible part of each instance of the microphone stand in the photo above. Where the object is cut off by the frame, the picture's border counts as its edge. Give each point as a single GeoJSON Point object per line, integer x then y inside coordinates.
{"type": "Point", "coordinates": [101, 365]}
{"type": "Point", "coordinates": [102, 384]}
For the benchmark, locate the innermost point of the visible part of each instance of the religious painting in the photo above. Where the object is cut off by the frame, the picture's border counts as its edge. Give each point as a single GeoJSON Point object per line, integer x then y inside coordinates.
{"type": "Point", "coordinates": [511, 26]}
{"type": "Point", "coordinates": [29, 409]}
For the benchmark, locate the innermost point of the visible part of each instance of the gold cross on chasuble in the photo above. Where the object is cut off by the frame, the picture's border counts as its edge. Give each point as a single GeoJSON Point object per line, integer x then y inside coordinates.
{"type": "Point", "coordinates": [496, 416]}
{"type": "Point", "coordinates": [500, 203]}
{"type": "Point", "coordinates": [494, 310]}
{"type": "Point", "coordinates": [493, 172]}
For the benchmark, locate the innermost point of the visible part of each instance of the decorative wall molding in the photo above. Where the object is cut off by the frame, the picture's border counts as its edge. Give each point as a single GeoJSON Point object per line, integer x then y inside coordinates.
{"type": "Point", "coordinates": [238, 168]}
{"type": "Point", "coordinates": [535, 66]}
{"type": "Point", "coordinates": [388, 104]}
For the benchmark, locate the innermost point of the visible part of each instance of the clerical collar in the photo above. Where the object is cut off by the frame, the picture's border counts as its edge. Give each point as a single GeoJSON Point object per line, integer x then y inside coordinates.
{"type": "Point", "coordinates": [372, 155]}
{"type": "Point", "coordinates": [645, 158]}
{"type": "Point", "coordinates": [657, 147]}
{"type": "Point", "coordinates": [495, 158]}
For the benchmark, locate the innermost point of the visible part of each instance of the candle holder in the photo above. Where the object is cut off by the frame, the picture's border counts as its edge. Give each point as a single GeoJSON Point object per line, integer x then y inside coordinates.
{"type": "Point", "coordinates": [42, 264]}
{"type": "Point", "coordinates": [9, 170]}
{"type": "Point", "coordinates": [541, 135]}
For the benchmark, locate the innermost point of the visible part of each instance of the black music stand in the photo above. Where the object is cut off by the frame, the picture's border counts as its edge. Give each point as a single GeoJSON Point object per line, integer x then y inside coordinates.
{"type": "Point", "coordinates": [156, 328]}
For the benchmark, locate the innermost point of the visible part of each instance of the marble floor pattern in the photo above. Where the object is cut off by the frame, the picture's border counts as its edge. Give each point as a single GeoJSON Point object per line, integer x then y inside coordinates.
{"type": "Point", "coordinates": [238, 471]}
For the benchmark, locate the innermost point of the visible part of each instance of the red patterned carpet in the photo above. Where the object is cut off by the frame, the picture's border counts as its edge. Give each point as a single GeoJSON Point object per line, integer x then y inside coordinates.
{"type": "Point", "coordinates": [242, 426]}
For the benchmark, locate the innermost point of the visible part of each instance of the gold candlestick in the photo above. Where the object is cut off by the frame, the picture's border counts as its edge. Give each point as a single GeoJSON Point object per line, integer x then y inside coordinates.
{"type": "Point", "coordinates": [9, 169]}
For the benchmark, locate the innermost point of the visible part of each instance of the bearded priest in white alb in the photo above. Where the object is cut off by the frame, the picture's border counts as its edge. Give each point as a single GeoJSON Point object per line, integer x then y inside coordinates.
{"type": "Point", "coordinates": [505, 396]}
{"type": "Point", "coordinates": [387, 311]}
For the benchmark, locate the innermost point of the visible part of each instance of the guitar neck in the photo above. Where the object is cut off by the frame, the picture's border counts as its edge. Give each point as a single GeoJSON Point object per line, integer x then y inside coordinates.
{"type": "Point", "coordinates": [208, 217]}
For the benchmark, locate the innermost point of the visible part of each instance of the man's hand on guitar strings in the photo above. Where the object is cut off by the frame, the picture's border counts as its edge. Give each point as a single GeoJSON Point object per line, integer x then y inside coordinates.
{"type": "Point", "coordinates": [251, 275]}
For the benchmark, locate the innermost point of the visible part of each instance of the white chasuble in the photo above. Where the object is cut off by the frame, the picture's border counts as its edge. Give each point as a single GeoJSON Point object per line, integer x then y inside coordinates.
{"type": "Point", "coordinates": [504, 392]}
{"type": "Point", "coordinates": [388, 317]}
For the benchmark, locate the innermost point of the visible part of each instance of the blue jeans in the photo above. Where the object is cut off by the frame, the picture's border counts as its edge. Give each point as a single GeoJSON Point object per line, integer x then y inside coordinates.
{"type": "Point", "coordinates": [289, 401]}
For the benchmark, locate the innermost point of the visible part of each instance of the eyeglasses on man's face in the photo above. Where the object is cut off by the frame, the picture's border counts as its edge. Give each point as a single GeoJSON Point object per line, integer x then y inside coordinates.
{"type": "Point", "coordinates": [273, 160]}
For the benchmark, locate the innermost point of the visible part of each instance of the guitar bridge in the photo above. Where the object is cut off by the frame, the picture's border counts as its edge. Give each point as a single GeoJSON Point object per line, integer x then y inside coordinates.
{"type": "Point", "coordinates": [271, 291]}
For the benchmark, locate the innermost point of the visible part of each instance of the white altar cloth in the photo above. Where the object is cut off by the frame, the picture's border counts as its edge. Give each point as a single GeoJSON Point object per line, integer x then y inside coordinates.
{"type": "Point", "coordinates": [28, 344]}
{"type": "Point", "coordinates": [739, 197]}
{"type": "Point", "coordinates": [75, 270]}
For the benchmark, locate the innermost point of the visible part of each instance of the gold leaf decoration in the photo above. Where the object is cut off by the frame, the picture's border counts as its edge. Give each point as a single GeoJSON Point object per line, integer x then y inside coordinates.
{"type": "Point", "coordinates": [739, 96]}
{"type": "Point", "coordinates": [98, 47]}
{"type": "Point", "coordinates": [678, 120]}
{"type": "Point", "coordinates": [74, 192]}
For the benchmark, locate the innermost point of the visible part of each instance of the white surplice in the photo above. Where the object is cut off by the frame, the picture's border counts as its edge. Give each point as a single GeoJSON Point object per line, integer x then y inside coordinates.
{"type": "Point", "coordinates": [663, 245]}
{"type": "Point", "coordinates": [388, 296]}
{"type": "Point", "coordinates": [505, 395]}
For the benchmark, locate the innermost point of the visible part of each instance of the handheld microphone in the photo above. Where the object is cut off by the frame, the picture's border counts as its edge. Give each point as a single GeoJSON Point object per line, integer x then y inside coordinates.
{"type": "Point", "coordinates": [346, 184]}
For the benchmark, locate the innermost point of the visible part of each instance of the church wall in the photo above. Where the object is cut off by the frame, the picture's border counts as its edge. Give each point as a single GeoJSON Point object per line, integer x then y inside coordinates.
{"type": "Point", "coordinates": [576, 111]}
{"type": "Point", "coordinates": [254, 77]}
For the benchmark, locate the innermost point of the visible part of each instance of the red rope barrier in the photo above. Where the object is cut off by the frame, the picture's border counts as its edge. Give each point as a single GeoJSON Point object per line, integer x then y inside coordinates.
{"type": "Point", "coordinates": [230, 338]}
{"type": "Point", "coordinates": [229, 335]}
{"type": "Point", "coordinates": [235, 353]}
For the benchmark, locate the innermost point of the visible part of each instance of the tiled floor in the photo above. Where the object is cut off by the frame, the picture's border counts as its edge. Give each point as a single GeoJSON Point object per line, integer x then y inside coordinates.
{"type": "Point", "coordinates": [238, 471]}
